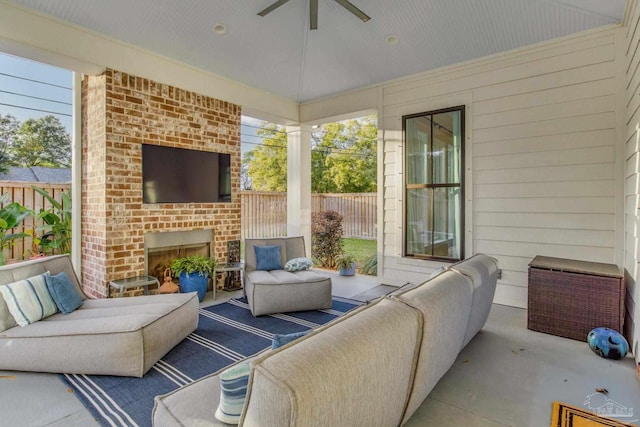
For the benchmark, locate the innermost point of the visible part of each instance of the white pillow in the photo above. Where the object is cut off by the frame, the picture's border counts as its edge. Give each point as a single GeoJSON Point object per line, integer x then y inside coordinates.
{"type": "Point", "coordinates": [29, 300]}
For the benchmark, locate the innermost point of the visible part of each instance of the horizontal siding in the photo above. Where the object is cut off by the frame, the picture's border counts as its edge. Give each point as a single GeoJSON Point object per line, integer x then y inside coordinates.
{"type": "Point", "coordinates": [632, 178]}
{"type": "Point", "coordinates": [541, 142]}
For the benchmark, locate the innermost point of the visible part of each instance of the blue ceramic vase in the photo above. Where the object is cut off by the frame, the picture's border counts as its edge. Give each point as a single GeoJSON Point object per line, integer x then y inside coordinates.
{"type": "Point", "coordinates": [194, 282]}
{"type": "Point", "coordinates": [608, 343]}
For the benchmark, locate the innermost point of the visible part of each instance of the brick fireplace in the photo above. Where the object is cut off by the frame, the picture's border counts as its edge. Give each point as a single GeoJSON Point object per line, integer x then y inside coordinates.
{"type": "Point", "coordinates": [119, 113]}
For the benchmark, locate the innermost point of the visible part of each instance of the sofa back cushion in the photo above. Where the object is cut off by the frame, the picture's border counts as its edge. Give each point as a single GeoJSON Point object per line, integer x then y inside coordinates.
{"type": "Point", "coordinates": [290, 247]}
{"type": "Point", "coordinates": [357, 371]}
{"type": "Point", "coordinates": [444, 302]}
{"type": "Point", "coordinates": [483, 272]}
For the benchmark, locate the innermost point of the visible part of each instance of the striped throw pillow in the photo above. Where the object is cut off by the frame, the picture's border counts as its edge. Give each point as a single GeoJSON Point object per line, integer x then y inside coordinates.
{"type": "Point", "coordinates": [233, 384]}
{"type": "Point", "coordinates": [29, 300]}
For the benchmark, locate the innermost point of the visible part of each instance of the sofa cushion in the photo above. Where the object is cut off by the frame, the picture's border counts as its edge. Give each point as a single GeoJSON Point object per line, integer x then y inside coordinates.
{"type": "Point", "coordinates": [333, 376]}
{"type": "Point", "coordinates": [233, 393]}
{"type": "Point", "coordinates": [298, 264]}
{"type": "Point", "coordinates": [63, 292]}
{"type": "Point", "coordinates": [268, 257]}
{"type": "Point", "coordinates": [29, 300]}
{"type": "Point", "coordinates": [445, 302]}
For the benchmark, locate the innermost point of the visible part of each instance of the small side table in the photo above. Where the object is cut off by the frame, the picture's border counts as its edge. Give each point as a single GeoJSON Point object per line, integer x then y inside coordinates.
{"type": "Point", "coordinates": [226, 268]}
{"type": "Point", "coordinates": [135, 282]}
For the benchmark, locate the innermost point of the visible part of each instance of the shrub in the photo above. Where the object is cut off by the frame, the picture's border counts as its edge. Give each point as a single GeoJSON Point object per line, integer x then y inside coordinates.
{"type": "Point", "coordinates": [370, 266]}
{"type": "Point", "coordinates": [326, 237]}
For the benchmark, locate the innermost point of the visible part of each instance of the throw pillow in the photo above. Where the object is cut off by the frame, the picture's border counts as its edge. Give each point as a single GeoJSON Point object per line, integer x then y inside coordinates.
{"type": "Point", "coordinates": [29, 300]}
{"type": "Point", "coordinates": [233, 386]}
{"type": "Point", "coordinates": [268, 257]}
{"type": "Point", "coordinates": [63, 292]}
{"type": "Point", "coordinates": [298, 264]}
{"type": "Point", "coordinates": [6, 319]}
{"type": "Point", "coordinates": [279, 340]}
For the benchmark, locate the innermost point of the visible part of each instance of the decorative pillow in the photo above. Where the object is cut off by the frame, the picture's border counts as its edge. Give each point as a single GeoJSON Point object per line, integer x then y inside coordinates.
{"type": "Point", "coordinates": [268, 257]}
{"type": "Point", "coordinates": [29, 300]}
{"type": "Point", "coordinates": [6, 319]}
{"type": "Point", "coordinates": [233, 385]}
{"type": "Point", "coordinates": [298, 264]}
{"type": "Point", "coordinates": [63, 292]}
{"type": "Point", "coordinates": [281, 339]}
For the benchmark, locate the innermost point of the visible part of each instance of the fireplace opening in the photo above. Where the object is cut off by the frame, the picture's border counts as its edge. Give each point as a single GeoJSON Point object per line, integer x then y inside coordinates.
{"type": "Point", "coordinates": [160, 248]}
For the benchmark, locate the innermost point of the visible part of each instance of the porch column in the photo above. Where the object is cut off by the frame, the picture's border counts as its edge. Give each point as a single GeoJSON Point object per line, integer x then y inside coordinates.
{"type": "Point", "coordinates": [299, 183]}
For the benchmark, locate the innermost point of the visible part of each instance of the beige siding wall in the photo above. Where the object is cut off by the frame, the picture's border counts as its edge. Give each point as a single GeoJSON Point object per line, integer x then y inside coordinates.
{"type": "Point", "coordinates": [632, 174]}
{"type": "Point", "coordinates": [541, 156]}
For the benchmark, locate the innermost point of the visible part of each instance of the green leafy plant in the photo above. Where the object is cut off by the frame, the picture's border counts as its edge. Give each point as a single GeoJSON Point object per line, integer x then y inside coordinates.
{"type": "Point", "coordinates": [345, 261]}
{"type": "Point", "coordinates": [11, 215]}
{"type": "Point", "coordinates": [326, 237]}
{"type": "Point", "coordinates": [370, 266]}
{"type": "Point", "coordinates": [193, 264]}
{"type": "Point", "coordinates": [54, 233]}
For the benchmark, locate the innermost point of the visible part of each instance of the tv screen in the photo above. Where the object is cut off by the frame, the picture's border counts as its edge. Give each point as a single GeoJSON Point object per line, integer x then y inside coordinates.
{"type": "Point", "coordinates": [178, 175]}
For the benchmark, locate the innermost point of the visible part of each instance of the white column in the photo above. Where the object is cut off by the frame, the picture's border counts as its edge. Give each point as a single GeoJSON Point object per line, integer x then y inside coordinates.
{"type": "Point", "coordinates": [299, 183]}
{"type": "Point", "coordinates": [76, 174]}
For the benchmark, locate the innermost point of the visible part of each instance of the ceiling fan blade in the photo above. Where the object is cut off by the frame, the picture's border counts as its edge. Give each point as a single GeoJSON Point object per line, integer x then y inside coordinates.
{"type": "Point", "coordinates": [273, 7]}
{"type": "Point", "coordinates": [313, 15]}
{"type": "Point", "coordinates": [351, 8]}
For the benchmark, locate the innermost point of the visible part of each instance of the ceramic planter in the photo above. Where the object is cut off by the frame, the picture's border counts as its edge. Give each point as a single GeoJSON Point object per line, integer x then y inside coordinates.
{"type": "Point", "coordinates": [194, 282]}
{"type": "Point", "coordinates": [348, 271]}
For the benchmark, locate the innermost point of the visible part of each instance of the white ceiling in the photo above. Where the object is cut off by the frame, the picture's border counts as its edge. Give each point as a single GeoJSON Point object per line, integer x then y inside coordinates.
{"type": "Point", "coordinates": [278, 53]}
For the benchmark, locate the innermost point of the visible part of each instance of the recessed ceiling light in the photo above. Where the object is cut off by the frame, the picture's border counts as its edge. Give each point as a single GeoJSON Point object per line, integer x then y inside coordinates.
{"type": "Point", "coordinates": [392, 40]}
{"type": "Point", "coordinates": [220, 29]}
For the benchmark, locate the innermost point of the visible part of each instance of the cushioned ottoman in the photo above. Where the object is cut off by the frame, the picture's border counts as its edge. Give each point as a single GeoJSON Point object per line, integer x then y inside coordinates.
{"type": "Point", "coordinates": [116, 336]}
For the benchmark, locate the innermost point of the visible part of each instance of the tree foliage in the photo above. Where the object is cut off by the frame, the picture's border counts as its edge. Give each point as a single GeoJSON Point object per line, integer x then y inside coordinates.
{"type": "Point", "coordinates": [266, 165]}
{"type": "Point", "coordinates": [343, 158]}
{"type": "Point", "coordinates": [41, 142]}
{"type": "Point", "coordinates": [9, 127]}
{"type": "Point", "coordinates": [326, 237]}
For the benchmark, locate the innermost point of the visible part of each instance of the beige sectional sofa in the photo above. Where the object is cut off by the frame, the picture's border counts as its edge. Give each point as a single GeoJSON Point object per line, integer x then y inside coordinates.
{"type": "Point", "coordinates": [116, 336]}
{"type": "Point", "coordinates": [372, 367]}
{"type": "Point", "coordinates": [280, 291]}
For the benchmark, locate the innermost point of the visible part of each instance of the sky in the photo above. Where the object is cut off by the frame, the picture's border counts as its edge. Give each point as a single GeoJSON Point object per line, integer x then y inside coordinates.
{"type": "Point", "coordinates": [27, 86]}
{"type": "Point", "coordinates": [48, 88]}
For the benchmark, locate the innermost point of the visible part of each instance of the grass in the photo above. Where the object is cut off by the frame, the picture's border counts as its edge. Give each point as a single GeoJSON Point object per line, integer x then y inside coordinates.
{"type": "Point", "coordinates": [361, 249]}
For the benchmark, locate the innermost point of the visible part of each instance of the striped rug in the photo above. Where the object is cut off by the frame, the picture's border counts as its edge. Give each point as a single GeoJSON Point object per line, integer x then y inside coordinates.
{"type": "Point", "coordinates": [226, 333]}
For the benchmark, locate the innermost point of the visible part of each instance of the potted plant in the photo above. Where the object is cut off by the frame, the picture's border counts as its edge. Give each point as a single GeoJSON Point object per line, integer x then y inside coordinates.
{"type": "Point", "coordinates": [346, 265]}
{"type": "Point", "coordinates": [193, 272]}
{"type": "Point", "coordinates": [11, 215]}
{"type": "Point", "coordinates": [54, 234]}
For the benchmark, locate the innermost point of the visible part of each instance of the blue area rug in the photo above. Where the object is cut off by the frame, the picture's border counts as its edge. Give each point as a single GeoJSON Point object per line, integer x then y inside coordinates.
{"type": "Point", "coordinates": [226, 333]}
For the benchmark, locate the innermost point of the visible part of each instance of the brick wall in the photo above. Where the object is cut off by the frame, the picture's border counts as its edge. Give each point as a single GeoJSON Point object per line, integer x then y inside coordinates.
{"type": "Point", "coordinates": [120, 112]}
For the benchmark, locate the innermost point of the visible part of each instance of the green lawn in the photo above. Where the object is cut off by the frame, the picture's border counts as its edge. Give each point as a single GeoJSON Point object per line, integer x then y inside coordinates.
{"type": "Point", "coordinates": [360, 248]}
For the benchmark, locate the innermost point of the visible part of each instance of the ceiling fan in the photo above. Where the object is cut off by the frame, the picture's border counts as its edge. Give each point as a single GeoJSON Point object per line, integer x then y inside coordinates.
{"type": "Point", "coordinates": [313, 11]}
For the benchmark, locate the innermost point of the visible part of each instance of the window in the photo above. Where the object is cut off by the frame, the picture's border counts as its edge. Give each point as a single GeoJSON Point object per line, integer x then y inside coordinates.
{"type": "Point", "coordinates": [434, 153]}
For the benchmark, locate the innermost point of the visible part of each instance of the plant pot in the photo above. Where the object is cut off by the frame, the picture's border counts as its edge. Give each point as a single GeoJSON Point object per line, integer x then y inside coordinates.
{"type": "Point", "coordinates": [348, 271]}
{"type": "Point", "coordinates": [194, 282]}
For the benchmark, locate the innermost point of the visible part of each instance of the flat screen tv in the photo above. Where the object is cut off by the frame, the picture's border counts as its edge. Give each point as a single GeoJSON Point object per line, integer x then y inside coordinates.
{"type": "Point", "coordinates": [178, 175]}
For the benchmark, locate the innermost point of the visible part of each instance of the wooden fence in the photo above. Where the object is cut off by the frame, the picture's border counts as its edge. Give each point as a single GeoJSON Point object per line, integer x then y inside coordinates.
{"type": "Point", "coordinates": [264, 214]}
{"type": "Point", "coordinates": [22, 193]}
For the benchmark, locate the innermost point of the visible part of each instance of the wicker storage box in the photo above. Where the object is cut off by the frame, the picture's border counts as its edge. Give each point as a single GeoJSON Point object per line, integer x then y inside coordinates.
{"type": "Point", "coordinates": [569, 298]}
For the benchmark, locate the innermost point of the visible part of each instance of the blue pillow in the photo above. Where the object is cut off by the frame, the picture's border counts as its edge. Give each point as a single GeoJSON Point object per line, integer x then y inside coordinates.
{"type": "Point", "coordinates": [279, 340]}
{"type": "Point", "coordinates": [233, 393]}
{"type": "Point", "coordinates": [268, 257]}
{"type": "Point", "coordinates": [63, 292]}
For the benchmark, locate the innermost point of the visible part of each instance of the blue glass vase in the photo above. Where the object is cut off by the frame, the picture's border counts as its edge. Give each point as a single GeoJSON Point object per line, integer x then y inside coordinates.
{"type": "Point", "coordinates": [194, 282]}
{"type": "Point", "coordinates": [608, 343]}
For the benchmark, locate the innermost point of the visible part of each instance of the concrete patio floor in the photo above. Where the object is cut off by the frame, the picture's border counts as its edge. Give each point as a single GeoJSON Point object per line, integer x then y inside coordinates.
{"type": "Point", "coordinates": [506, 376]}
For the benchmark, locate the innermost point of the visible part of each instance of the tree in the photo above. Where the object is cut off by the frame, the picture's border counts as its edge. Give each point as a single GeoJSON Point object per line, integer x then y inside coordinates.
{"type": "Point", "coordinates": [343, 158]}
{"type": "Point", "coordinates": [266, 165]}
{"type": "Point", "coordinates": [41, 142]}
{"type": "Point", "coordinates": [9, 126]}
